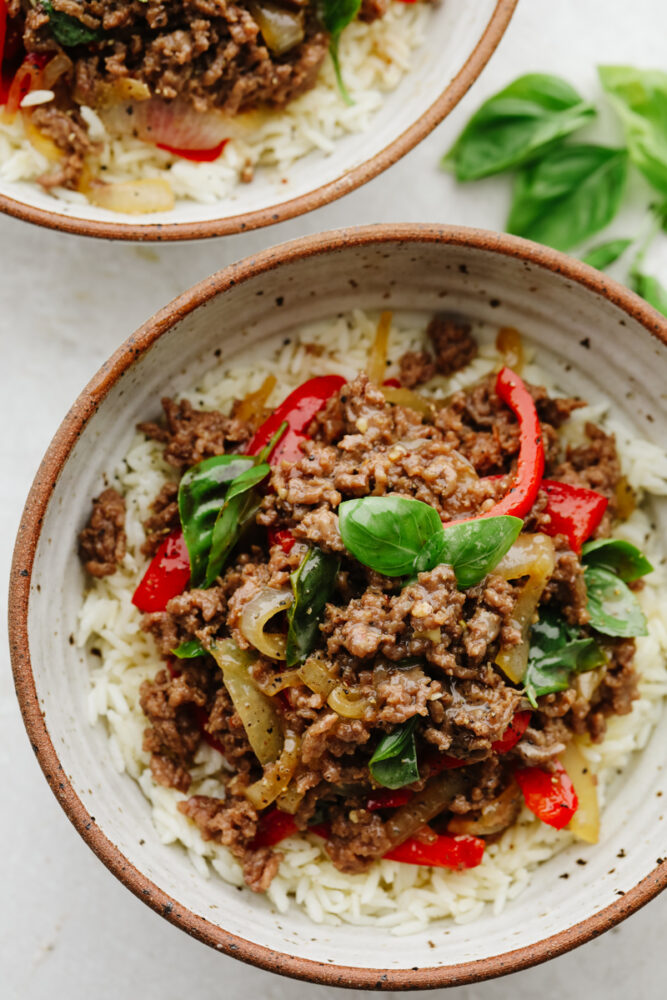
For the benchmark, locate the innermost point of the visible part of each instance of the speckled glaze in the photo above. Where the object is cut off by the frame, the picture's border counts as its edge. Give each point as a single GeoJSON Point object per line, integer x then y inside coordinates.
{"type": "Point", "coordinates": [462, 39]}
{"type": "Point", "coordinates": [601, 338]}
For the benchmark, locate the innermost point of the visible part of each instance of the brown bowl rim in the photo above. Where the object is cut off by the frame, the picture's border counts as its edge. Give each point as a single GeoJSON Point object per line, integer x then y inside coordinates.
{"type": "Point", "coordinates": [323, 195]}
{"type": "Point", "coordinates": [28, 538]}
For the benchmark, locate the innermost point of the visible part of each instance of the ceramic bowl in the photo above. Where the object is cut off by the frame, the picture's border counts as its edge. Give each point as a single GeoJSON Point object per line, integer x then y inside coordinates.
{"type": "Point", "coordinates": [606, 338]}
{"type": "Point", "coordinates": [462, 38]}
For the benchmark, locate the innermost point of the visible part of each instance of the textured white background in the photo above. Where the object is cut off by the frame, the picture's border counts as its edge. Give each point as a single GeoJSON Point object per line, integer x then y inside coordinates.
{"type": "Point", "coordinates": [67, 928]}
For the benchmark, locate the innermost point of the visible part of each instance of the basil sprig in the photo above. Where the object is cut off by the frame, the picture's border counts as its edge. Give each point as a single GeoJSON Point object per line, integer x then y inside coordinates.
{"type": "Point", "coordinates": [400, 536]}
{"type": "Point", "coordinates": [572, 193]}
{"type": "Point", "coordinates": [188, 650]}
{"type": "Point", "coordinates": [216, 499]}
{"type": "Point", "coordinates": [618, 556]}
{"type": "Point", "coordinates": [394, 763]}
{"type": "Point", "coordinates": [612, 607]}
{"type": "Point", "coordinates": [557, 651]}
{"type": "Point", "coordinates": [516, 125]}
{"type": "Point", "coordinates": [336, 15]}
{"type": "Point", "coordinates": [639, 97]}
{"type": "Point", "coordinates": [312, 584]}
{"type": "Point", "coordinates": [68, 30]}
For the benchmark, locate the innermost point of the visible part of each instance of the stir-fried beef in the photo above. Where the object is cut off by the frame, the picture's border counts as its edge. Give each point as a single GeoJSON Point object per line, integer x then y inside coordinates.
{"type": "Point", "coordinates": [102, 543]}
{"type": "Point", "coordinates": [417, 652]}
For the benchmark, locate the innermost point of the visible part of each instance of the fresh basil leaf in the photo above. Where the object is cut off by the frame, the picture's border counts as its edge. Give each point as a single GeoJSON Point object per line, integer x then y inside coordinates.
{"type": "Point", "coordinates": [188, 650]}
{"type": "Point", "coordinates": [238, 512]}
{"type": "Point", "coordinates": [312, 585]}
{"type": "Point", "coordinates": [569, 195]}
{"type": "Point", "coordinates": [606, 253]}
{"type": "Point", "coordinates": [618, 556]}
{"type": "Point", "coordinates": [650, 289]}
{"type": "Point", "coordinates": [639, 97]}
{"type": "Point", "coordinates": [67, 30]}
{"type": "Point", "coordinates": [556, 652]}
{"type": "Point", "coordinates": [473, 548]}
{"type": "Point", "coordinates": [388, 533]}
{"type": "Point", "coordinates": [613, 608]}
{"type": "Point", "coordinates": [201, 495]}
{"type": "Point", "coordinates": [336, 15]}
{"type": "Point", "coordinates": [516, 125]}
{"type": "Point", "coordinates": [394, 762]}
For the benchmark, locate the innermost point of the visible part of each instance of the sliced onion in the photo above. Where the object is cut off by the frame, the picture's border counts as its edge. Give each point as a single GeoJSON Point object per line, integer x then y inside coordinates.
{"type": "Point", "coordinates": [279, 682]}
{"type": "Point", "coordinates": [585, 824]}
{"type": "Point", "coordinates": [377, 356]}
{"type": "Point", "coordinates": [176, 123]}
{"type": "Point", "coordinates": [348, 703]}
{"type": "Point", "coordinates": [495, 815]}
{"type": "Point", "coordinates": [253, 402]}
{"type": "Point", "coordinates": [277, 776]}
{"type": "Point", "coordinates": [257, 712]}
{"type": "Point", "coordinates": [424, 806]}
{"type": "Point", "coordinates": [290, 800]}
{"type": "Point", "coordinates": [281, 28]}
{"type": "Point", "coordinates": [407, 398]}
{"type": "Point", "coordinates": [267, 603]}
{"type": "Point", "coordinates": [132, 197]}
{"type": "Point", "coordinates": [318, 676]}
{"type": "Point", "coordinates": [533, 556]}
{"type": "Point", "coordinates": [55, 68]}
{"type": "Point", "coordinates": [510, 347]}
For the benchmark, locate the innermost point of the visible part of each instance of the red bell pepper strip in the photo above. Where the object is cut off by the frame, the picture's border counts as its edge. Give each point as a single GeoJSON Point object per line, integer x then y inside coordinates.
{"type": "Point", "coordinates": [442, 852]}
{"type": "Point", "coordinates": [196, 155]}
{"type": "Point", "coordinates": [443, 762]}
{"type": "Point", "coordinates": [167, 575]}
{"type": "Point", "coordinates": [388, 798]}
{"type": "Point", "coordinates": [273, 827]}
{"type": "Point", "coordinates": [284, 538]}
{"type": "Point", "coordinates": [27, 77]}
{"type": "Point", "coordinates": [513, 733]}
{"type": "Point", "coordinates": [548, 794]}
{"type": "Point", "coordinates": [393, 382]}
{"type": "Point", "coordinates": [575, 512]}
{"type": "Point", "coordinates": [297, 411]}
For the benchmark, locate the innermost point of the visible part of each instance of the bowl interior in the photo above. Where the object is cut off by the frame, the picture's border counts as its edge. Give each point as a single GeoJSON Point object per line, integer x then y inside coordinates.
{"type": "Point", "coordinates": [455, 29]}
{"type": "Point", "coordinates": [595, 347]}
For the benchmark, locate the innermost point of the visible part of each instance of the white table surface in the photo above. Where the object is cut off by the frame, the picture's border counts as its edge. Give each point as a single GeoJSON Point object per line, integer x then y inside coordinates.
{"type": "Point", "coordinates": [67, 927]}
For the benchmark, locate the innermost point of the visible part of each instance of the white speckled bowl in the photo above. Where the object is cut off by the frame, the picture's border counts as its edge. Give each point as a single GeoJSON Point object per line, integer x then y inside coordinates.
{"type": "Point", "coordinates": [615, 344]}
{"type": "Point", "coordinates": [461, 40]}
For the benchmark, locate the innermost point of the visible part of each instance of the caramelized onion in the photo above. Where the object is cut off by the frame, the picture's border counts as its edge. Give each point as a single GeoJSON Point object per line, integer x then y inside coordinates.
{"type": "Point", "coordinates": [267, 603]}
{"type": "Point", "coordinates": [407, 398]}
{"type": "Point", "coordinates": [377, 356]}
{"type": "Point", "coordinates": [533, 556]}
{"type": "Point", "coordinates": [55, 68]}
{"type": "Point", "coordinates": [318, 676]}
{"type": "Point", "coordinates": [424, 806]}
{"type": "Point", "coordinates": [510, 347]}
{"type": "Point", "coordinates": [279, 682]}
{"type": "Point", "coordinates": [132, 197]}
{"type": "Point", "coordinates": [277, 776]}
{"type": "Point", "coordinates": [347, 703]}
{"type": "Point", "coordinates": [257, 712]}
{"type": "Point", "coordinates": [290, 800]}
{"type": "Point", "coordinates": [495, 815]}
{"type": "Point", "coordinates": [281, 28]}
{"type": "Point", "coordinates": [585, 824]}
{"type": "Point", "coordinates": [253, 402]}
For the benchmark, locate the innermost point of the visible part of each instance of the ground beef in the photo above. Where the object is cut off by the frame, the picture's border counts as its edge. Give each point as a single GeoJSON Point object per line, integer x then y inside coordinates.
{"type": "Point", "coordinates": [453, 344]}
{"type": "Point", "coordinates": [173, 735]}
{"type": "Point", "coordinates": [567, 586]}
{"type": "Point", "coordinates": [373, 10]}
{"type": "Point", "coordinates": [163, 520]}
{"type": "Point", "coordinates": [191, 435]}
{"type": "Point", "coordinates": [357, 838]}
{"type": "Point", "coordinates": [194, 614]}
{"type": "Point", "coordinates": [415, 367]}
{"type": "Point", "coordinates": [103, 543]}
{"type": "Point", "coordinates": [69, 132]}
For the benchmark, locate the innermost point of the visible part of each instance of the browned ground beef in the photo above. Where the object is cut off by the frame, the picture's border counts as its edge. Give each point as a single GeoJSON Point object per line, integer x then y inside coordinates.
{"type": "Point", "coordinates": [419, 650]}
{"type": "Point", "coordinates": [102, 543]}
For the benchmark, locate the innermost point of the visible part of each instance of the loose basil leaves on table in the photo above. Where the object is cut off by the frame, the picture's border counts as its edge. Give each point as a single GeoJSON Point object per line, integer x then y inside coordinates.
{"type": "Point", "coordinates": [618, 556]}
{"type": "Point", "coordinates": [613, 608]}
{"type": "Point", "coordinates": [557, 650]}
{"type": "Point", "coordinates": [216, 500]}
{"type": "Point", "coordinates": [607, 253]}
{"type": "Point", "coordinates": [312, 584]}
{"type": "Point", "coordinates": [68, 30]}
{"type": "Point", "coordinates": [336, 15]}
{"type": "Point", "coordinates": [394, 762]}
{"type": "Point", "coordinates": [572, 193]}
{"type": "Point", "coordinates": [516, 125]}
{"type": "Point", "coordinates": [400, 536]}
{"type": "Point", "coordinates": [188, 650]}
{"type": "Point", "coordinates": [639, 97]}
{"type": "Point", "coordinates": [650, 288]}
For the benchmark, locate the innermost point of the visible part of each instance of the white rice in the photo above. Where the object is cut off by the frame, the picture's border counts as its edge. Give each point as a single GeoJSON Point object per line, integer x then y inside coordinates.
{"type": "Point", "coordinates": [401, 897]}
{"type": "Point", "coordinates": [374, 58]}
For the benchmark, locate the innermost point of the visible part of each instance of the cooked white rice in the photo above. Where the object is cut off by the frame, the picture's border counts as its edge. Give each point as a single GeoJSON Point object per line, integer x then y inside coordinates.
{"type": "Point", "coordinates": [402, 897]}
{"type": "Point", "coordinates": [374, 58]}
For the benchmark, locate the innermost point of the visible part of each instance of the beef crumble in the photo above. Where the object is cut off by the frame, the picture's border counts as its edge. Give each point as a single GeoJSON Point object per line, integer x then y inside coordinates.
{"type": "Point", "coordinates": [102, 543]}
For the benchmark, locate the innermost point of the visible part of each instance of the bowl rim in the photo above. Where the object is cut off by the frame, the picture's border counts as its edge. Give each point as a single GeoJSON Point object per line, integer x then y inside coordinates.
{"type": "Point", "coordinates": [348, 181]}
{"type": "Point", "coordinates": [28, 538]}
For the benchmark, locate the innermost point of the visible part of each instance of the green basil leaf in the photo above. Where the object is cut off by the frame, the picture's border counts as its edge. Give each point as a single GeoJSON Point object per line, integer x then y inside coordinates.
{"type": "Point", "coordinates": [263, 456]}
{"type": "Point", "coordinates": [188, 650]}
{"type": "Point", "coordinates": [569, 195]}
{"type": "Point", "coordinates": [336, 15]}
{"type": "Point", "coordinates": [650, 289]}
{"type": "Point", "coordinates": [394, 762]}
{"type": "Point", "coordinates": [238, 512]}
{"type": "Point", "coordinates": [606, 253]}
{"type": "Point", "coordinates": [557, 651]}
{"type": "Point", "coordinates": [474, 548]}
{"type": "Point", "coordinates": [67, 30]}
{"type": "Point", "coordinates": [639, 97]}
{"type": "Point", "coordinates": [613, 608]}
{"type": "Point", "coordinates": [388, 533]}
{"type": "Point", "coordinates": [618, 556]}
{"type": "Point", "coordinates": [516, 125]}
{"type": "Point", "coordinates": [201, 495]}
{"type": "Point", "coordinates": [312, 585]}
